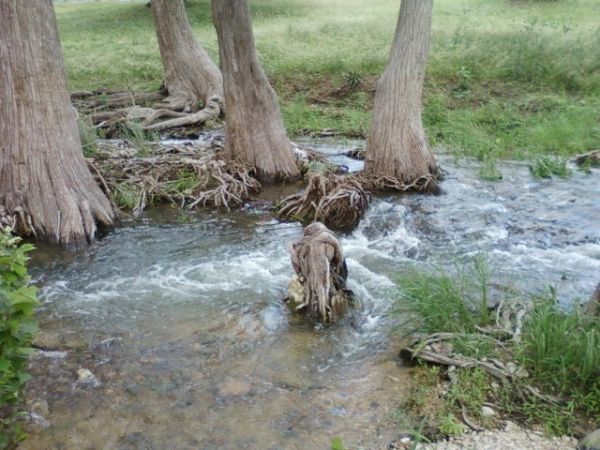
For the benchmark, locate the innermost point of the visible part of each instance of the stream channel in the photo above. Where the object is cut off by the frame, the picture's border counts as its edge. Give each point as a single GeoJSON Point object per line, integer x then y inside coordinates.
{"type": "Point", "coordinates": [180, 316]}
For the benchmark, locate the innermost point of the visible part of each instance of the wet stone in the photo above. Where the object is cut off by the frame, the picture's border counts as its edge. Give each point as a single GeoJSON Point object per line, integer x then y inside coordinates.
{"type": "Point", "coordinates": [86, 378]}
{"type": "Point", "coordinates": [40, 407]}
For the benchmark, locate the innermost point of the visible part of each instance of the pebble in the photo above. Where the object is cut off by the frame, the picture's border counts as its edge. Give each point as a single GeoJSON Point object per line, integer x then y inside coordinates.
{"type": "Point", "coordinates": [87, 378]}
{"type": "Point", "coordinates": [486, 411]}
{"type": "Point", "coordinates": [40, 407]}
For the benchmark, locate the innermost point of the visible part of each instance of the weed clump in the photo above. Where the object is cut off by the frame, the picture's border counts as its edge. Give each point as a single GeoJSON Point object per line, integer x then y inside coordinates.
{"type": "Point", "coordinates": [524, 356]}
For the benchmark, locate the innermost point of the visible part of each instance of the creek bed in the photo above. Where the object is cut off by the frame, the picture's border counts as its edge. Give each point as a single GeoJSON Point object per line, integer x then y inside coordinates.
{"type": "Point", "coordinates": [180, 318]}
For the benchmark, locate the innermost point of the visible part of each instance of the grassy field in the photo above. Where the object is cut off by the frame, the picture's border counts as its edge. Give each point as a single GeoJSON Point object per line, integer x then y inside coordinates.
{"type": "Point", "coordinates": [506, 78]}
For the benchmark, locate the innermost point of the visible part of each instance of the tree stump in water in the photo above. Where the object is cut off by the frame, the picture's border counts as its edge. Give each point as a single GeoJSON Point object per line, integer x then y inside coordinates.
{"type": "Point", "coordinates": [319, 286]}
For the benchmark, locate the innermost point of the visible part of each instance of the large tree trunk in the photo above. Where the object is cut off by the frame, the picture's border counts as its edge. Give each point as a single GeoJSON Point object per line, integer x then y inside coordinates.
{"type": "Point", "coordinates": [254, 131]}
{"type": "Point", "coordinates": [191, 76]}
{"type": "Point", "coordinates": [44, 180]}
{"type": "Point", "coordinates": [396, 145]}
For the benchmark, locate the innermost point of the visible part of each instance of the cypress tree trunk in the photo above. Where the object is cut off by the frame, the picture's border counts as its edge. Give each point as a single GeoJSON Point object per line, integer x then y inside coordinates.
{"type": "Point", "coordinates": [396, 145]}
{"type": "Point", "coordinates": [45, 183]}
{"type": "Point", "coordinates": [191, 76]}
{"type": "Point", "coordinates": [254, 131]}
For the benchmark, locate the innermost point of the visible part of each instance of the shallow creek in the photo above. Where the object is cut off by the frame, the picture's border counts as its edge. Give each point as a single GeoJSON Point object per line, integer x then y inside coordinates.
{"type": "Point", "coordinates": [180, 318]}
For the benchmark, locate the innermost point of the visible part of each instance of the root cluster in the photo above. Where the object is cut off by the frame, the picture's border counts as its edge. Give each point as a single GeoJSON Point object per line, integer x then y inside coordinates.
{"type": "Point", "coordinates": [339, 202]}
{"type": "Point", "coordinates": [183, 177]}
{"type": "Point", "coordinates": [152, 111]}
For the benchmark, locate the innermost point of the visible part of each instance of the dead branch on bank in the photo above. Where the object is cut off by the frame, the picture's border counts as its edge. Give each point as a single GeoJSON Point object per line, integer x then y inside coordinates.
{"type": "Point", "coordinates": [185, 178]}
{"type": "Point", "coordinates": [339, 202]}
{"type": "Point", "coordinates": [438, 348]}
{"type": "Point", "coordinates": [319, 286]}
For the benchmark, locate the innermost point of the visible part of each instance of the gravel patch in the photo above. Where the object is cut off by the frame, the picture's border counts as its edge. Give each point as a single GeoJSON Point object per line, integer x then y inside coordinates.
{"type": "Point", "coordinates": [512, 437]}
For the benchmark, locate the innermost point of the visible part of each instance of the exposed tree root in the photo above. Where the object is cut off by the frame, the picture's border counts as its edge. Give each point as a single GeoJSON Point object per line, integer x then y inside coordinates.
{"type": "Point", "coordinates": [425, 183]}
{"type": "Point", "coordinates": [319, 286]}
{"type": "Point", "coordinates": [105, 111]}
{"type": "Point", "coordinates": [211, 111]}
{"type": "Point", "coordinates": [339, 202]}
{"type": "Point", "coordinates": [184, 178]}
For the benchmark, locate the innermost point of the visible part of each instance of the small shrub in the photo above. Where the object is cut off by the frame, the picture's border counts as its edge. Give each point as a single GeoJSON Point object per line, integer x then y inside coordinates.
{"type": "Point", "coordinates": [547, 166]}
{"type": "Point", "coordinates": [18, 301]}
{"type": "Point", "coordinates": [352, 79]}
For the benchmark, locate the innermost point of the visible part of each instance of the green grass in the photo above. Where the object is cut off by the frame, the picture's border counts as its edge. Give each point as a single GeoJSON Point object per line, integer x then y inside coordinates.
{"type": "Point", "coordinates": [559, 349]}
{"type": "Point", "coordinates": [506, 78]}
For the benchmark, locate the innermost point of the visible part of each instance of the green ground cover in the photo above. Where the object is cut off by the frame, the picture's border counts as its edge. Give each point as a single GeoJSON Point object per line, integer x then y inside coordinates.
{"type": "Point", "coordinates": [506, 78]}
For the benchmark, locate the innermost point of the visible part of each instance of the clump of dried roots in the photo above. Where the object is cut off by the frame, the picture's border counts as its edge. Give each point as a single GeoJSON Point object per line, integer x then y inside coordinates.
{"type": "Point", "coordinates": [337, 201]}
{"type": "Point", "coordinates": [186, 179]}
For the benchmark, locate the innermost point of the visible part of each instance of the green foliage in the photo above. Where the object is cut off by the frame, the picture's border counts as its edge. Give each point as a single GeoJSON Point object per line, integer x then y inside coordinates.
{"type": "Point", "coordinates": [337, 444]}
{"type": "Point", "coordinates": [547, 166]}
{"type": "Point", "coordinates": [140, 138]}
{"type": "Point", "coordinates": [352, 79]}
{"type": "Point", "coordinates": [125, 195]}
{"type": "Point", "coordinates": [489, 171]}
{"type": "Point", "coordinates": [18, 301]}
{"type": "Point", "coordinates": [559, 349]}
{"type": "Point", "coordinates": [88, 137]}
{"type": "Point", "coordinates": [514, 79]}
{"type": "Point", "coordinates": [451, 426]}
{"type": "Point", "coordinates": [442, 302]}
{"type": "Point", "coordinates": [471, 389]}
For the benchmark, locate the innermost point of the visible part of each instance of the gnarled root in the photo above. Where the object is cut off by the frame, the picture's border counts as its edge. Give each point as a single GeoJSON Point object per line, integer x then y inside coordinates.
{"type": "Point", "coordinates": [106, 111]}
{"type": "Point", "coordinates": [234, 185]}
{"type": "Point", "coordinates": [211, 111]}
{"type": "Point", "coordinates": [319, 286]}
{"type": "Point", "coordinates": [339, 202]}
{"type": "Point", "coordinates": [425, 183]}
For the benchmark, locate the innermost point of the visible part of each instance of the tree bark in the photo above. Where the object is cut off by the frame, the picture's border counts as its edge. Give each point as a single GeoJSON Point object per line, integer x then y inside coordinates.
{"type": "Point", "coordinates": [254, 131]}
{"type": "Point", "coordinates": [396, 145]}
{"type": "Point", "coordinates": [45, 184]}
{"type": "Point", "coordinates": [191, 75]}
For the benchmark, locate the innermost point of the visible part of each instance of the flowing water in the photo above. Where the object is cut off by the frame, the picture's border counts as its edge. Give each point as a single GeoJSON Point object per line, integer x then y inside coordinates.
{"type": "Point", "coordinates": [180, 318]}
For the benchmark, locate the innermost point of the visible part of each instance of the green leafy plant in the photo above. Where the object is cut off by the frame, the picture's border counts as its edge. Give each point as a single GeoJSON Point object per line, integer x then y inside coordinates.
{"type": "Point", "coordinates": [451, 426]}
{"type": "Point", "coordinates": [18, 301]}
{"type": "Point", "coordinates": [547, 166]}
{"type": "Point", "coordinates": [337, 444]}
{"type": "Point", "coordinates": [558, 351]}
